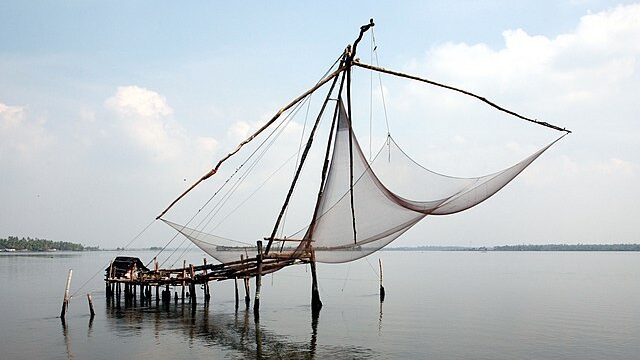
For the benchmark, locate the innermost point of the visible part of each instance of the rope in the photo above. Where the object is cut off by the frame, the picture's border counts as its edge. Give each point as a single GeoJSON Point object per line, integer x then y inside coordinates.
{"type": "Point", "coordinates": [117, 253]}
{"type": "Point", "coordinates": [219, 206]}
{"type": "Point", "coordinates": [384, 103]}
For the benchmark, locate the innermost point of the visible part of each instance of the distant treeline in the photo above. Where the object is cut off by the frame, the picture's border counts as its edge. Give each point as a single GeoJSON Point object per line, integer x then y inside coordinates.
{"type": "Point", "coordinates": [29, 244]}
{"type": "Point", "coordinates": [549, 247]}
{"type": "Point", "coordinates": [565, 247]}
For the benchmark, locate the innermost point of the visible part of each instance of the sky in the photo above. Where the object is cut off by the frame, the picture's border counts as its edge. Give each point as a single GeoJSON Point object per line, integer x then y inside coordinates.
{"type": "Point", "coordinates": [108, 110]}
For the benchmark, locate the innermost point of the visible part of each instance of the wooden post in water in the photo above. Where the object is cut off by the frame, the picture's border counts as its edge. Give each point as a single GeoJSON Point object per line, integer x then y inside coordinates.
{"type": "Point", "coordinates": [382, 292]}
{"type": "Point", "coordinates": [316, 304]}
{"type": "Point", "coordinates": [256, 301]}
{"type": "Point", "coordinates": [90, 299]}
{"type": "Point", "coordinates": [65, 301]}
{"type": "Point", "coordinates": [207, 294]}
{"type": "Point", "coordinates": [235, 281]}
{"type": "Point", "coordinates": [184, 275]}
{"type": "Point", "coordinates": [192, 287]}
{"type": "Point", "coordinates": [247, 297]}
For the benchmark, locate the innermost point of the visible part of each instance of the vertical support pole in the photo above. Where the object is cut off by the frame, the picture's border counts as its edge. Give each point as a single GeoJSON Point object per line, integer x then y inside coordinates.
{"type": "Point", "coordinates": [235, 280]}
{"type": "Point", "coordinates": [207, 294]}
{"type": "Point", "coordinates": [157, 294]}
{"type": "Point", "coordinates": [184, 275]}
{"type": "Point", "coordinates": [256, 301]}
{"type": "Point", "coordinates": [192, 288]}
{"type": "Point", "coordinates": [382, 292]}
{"type": "Point", "coordinates": [316, 304]}
{"type": "Point", "coordinates": [65, 301]}
{"type": "Point", "coordinates": [90, 299]}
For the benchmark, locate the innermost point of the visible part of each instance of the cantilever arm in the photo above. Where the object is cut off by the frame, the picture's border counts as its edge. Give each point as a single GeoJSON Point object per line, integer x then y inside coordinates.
{"type": "Point", "coordinates": [247, 140]}
{"type": "Point", "coordinates": [397, 73]}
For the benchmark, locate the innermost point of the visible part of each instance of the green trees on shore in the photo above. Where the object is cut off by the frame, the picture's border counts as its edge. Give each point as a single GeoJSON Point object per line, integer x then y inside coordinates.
{"type": "Point", "coordinates": [29, 244]}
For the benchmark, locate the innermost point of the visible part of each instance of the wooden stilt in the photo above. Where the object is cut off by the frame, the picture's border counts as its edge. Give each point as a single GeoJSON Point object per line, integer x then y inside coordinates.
{"type": "Point", "coordinates": [256, 301]}
{"type": "Point", "coordinates": [65, 300]}
{"type": "Point", "coordinates": [235, 281]}
{"type": "Point", "coordinates": [157, 295]}
{"type": "Point", "coordinates": [207, 295]}
{"type": "Point", "coordinates": [316, 304]}
{"type": "Point", "coordinates": [192, 287]}
{"type": "Point", "coordinates": [184, 275]}
{"type": "Point", "coordinates": [90, 299]}
{"type": "Point", "coordinates": [247, 297]}
{"type": "Point", "coordinates": [382, 292]}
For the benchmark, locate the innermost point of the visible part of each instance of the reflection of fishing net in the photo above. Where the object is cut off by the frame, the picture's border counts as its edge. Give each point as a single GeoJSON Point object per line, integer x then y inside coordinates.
{"type": "Point", "coordinates": [354, 222]}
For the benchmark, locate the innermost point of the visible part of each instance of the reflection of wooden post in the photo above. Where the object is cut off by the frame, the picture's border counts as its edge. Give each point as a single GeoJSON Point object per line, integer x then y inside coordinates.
{"type": "Point", "coordinates": [256, 302]}
{"type": "Point", "coordinates": [382, 293]}
{"type": "Point", "coordinates": [91, 305]}
{"type": "Point", "coordinates": [65, 301]}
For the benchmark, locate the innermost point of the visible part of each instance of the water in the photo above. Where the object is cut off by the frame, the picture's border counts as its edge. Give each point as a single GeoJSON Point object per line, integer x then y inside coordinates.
{"type": "Point", "coordinates": [453, 305]}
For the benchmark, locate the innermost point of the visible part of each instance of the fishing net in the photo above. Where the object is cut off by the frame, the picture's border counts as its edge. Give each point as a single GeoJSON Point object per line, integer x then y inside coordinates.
{"type": "Point", "coordinates": [364, 207]}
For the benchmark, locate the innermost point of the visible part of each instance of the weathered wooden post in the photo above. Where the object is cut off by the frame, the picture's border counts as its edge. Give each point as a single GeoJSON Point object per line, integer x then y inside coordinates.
{"type": "Point", "coordinates": [256, 301]}
{"type": "Point", "coordinates": [90, 299]}
{"type": "Point", "coordinates": [247, 297]}
{"type": "Point", "coordinates": [192, 287]}
{"type": "Point", "coordinates": [382, 292]}
{"type": "Point", "coordinates": [235, 281]}
{"type": "Point", "coordinates": [316, 304]}
{"type": "Point", "coordinates": [65, 301]}
{"type": "Point", "coordinates": [207, 294]}
{"type": "Point", "coordinates": [184, 275]}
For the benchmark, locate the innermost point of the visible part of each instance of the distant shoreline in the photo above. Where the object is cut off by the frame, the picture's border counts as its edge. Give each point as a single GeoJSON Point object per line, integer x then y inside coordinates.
{"type": "Point", "coordinates": [547, 247]}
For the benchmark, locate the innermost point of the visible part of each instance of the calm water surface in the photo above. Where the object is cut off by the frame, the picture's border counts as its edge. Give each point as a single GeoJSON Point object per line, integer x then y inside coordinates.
{"type": "Point", "coordinates": [439, 305]}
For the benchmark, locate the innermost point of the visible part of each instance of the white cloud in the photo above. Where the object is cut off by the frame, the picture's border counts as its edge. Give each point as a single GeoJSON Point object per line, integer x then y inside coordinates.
{"type": "Point", "coordinates": [145, 118]}
{"type": "Point", "coordinates": [19, 134]}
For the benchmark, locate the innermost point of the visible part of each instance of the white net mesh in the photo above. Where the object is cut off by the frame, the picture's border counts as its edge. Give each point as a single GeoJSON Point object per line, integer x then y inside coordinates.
{"type": "Point", "coordinates": [381, 210]}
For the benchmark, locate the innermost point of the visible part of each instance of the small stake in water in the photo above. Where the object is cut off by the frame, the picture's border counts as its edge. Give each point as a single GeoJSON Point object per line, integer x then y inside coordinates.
{"type": "Point", "coordinates": [65, 301]}
{"type": "Point", "coordinates": [90, 299]}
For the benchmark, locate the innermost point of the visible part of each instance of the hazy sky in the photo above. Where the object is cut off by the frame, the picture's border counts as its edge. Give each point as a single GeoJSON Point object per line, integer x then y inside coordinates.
{"type": "Point", "coordinates": [109, 110]}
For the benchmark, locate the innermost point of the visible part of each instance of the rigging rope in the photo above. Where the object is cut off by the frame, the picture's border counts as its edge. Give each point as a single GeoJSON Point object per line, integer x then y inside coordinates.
{"type": "Point", "coordinates": [117, 253]}
{"type": "Point", "coordinates": [384, 103]}
{"type": "Point", "coordinates": [291, 114]}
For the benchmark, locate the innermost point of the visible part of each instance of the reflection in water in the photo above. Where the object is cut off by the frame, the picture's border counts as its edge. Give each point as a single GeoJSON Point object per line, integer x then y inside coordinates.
{"type": "Point", "coordinates": [233, 332]}
{"type": "Point", "coordinates": [380, 320]}
{"type": "Point", "coordinates": [67, 339]}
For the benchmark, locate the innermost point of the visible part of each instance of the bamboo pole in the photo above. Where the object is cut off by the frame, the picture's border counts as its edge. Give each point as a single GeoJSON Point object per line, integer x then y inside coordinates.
{"type": "Point", "coordinates": [303, 157]}
{"type": "Point", "coordinates": [65, 301]}
{"type": "Point", "coordinates": [412, 77]}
